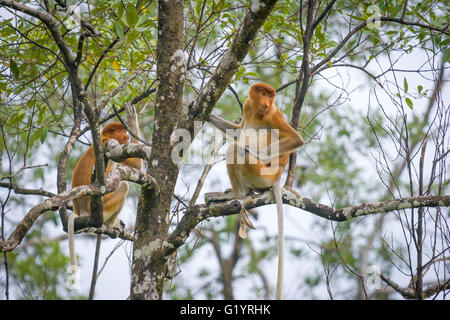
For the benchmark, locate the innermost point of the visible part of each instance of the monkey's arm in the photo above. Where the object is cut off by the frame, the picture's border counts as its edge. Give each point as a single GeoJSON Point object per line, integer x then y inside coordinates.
{"type": "Point", "coordinates": [133, 125]}
{"type": "Point", "coordinates": [223, 124]}
{"type": "Point", "coordinates": [289, 140]}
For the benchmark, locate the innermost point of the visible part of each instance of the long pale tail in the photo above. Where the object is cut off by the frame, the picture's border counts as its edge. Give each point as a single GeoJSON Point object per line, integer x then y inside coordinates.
{"type": "Point", "coordinates": [70, 231]}
{"type": "Point", "coordinates": [277, 193]}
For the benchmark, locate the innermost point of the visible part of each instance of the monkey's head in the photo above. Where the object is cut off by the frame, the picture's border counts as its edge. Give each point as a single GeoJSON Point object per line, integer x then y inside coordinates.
{"type": "Point", "coordinates": [117, 131]}
{"type": "Point", "coordinates": [262, 96]}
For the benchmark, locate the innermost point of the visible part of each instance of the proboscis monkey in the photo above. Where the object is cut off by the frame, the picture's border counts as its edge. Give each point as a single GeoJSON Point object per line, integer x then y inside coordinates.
{"type": "Point", "coordinates": [256, 161]}
{"type": "Point", "coordinates": [82, 175]}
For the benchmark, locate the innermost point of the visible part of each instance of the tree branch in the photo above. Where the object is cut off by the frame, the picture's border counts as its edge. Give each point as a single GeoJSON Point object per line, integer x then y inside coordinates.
{"type": "Point", "coordinates": [409, 293]}
{"type": "Point", "coordinates": [323, 14]}
{"type": "Point", "coordinates": [111, 232]}
{"type": "Point", "coordinates": [196, 214]}
{"type": "Point", "coordinates": [119, 152]}
{"type": "Point", "coordinates": [54, 203]}
{"type": "Point", "coordinates": [51, 24]}
{"type": "Point", "coordinates": [364, 24]}
{"type": "Point", "coordinates": [231, 61]}
{"type": "Point", "coordinates": [302, 85]}
{"type": "Point", "coordinates": [406, 293]}
{"type": "Point", "coordinates": [77, 87]}
{"type": "Point", "coordinates": [19, 190]}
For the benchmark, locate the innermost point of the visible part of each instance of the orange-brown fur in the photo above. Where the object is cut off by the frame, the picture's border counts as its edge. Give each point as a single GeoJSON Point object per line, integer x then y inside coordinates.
{"type": "Point", "coordinates": [261, 113]}
{"type": "Point", "coordinates": [112, 202]}
{"type": "Point", "coordinates": [251, 174]}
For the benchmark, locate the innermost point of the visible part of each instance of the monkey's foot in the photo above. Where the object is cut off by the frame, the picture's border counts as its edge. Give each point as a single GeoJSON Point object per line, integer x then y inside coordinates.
{"type": "Point", "coordinates": [118, 229]}
{"type": "Point", "coordinates": [288, 188]}
{"type": "Point", "coordinates": [244, 223]}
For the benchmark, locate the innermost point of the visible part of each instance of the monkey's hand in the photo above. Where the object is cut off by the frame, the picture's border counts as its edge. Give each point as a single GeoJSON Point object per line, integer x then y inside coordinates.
{"type": "Point", "coordinates": [132, 120]}
{"type": "Point", "coordinates": [266, 155]}
{"type": "Point", "coordinates": [242, 150]}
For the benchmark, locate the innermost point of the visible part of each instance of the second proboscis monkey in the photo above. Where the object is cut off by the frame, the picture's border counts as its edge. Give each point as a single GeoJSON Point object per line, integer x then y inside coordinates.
{"type": "Point", "coordinates": [112, 202]}
{"type": "Point", "coordinates": [257, 159]}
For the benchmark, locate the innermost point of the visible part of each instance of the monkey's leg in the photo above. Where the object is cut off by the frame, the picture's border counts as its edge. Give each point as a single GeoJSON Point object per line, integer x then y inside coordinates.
{"type": "Point", "coordinates": [82, 206]}
{"type": "Point", "coordinates": [237, 166]}
{"type": "Point", "coordinates": [113, 204]}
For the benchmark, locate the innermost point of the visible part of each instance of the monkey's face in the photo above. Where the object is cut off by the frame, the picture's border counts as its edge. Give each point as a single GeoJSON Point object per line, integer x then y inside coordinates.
{"type": "Point", "coordinates": [263, 97]}
{"type": "Point", "coordinates": [122, 136]}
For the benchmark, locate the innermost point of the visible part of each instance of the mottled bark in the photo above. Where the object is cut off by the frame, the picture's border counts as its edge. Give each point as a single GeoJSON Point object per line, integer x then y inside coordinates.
{"type": "Point", "coordinates": [119, 152]}
{"type": "Point", "coordinates": [152, 222]}
{"type": "Point", "coordinates": [230, 63]}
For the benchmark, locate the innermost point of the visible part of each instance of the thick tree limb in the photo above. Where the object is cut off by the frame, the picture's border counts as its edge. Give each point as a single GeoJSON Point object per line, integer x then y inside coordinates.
{"type": "Point", "coordinates": [196, 214]}
{"type": "Point", "coordinates": [119, 152]}
{"type": "Point", "coordinates": [58, 201]}
{"type": "Point", "coordinates": [154, 207]}
{"type": "Point", "coordinates": [228, 66]}
{"type": "Point", "coordinates": [111, 232]}
{"type": "Point", "coordinates": [65, 154]}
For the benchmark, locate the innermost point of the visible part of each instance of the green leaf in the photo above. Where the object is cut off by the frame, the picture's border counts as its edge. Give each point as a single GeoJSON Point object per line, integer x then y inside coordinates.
{"type": "Point", "coordinates": [42, 114]}
{"type": "Point", "coordinates": [118, 29]}
{"type": "Point", "coordinates": [34, 136]}
{"type": "Point", "coordinates": [419, 88]}
{"type": "Point", "coordinates": [133, 35]}
{"type": "Point", "coordinates": [17, 117]}
{"type": "Point", "coordinates": [141, 21]}
{"type": "Point", "coordinates": [445, 42]}
{"type": "Point", "coordinates": [357, 18]}
{"type": "Point", "coordinates": [14, 68]}
{"type": "Point", "coordinates": [405, 84]}
{"type": "Point", "coordinates": [446, 56]}
{"type": "Point", "coordinates": [409, 103]}
{"type": "Point", "coordinates": [252, 74]}
{"type": "Point", "coordinates": [268, 26]}
{"type": "Point", "coordinates": [132, 15]}
{"type": "Point", "coordinates": [43, 134]}
{"type": "Point", "coordinates": [198, 8]}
